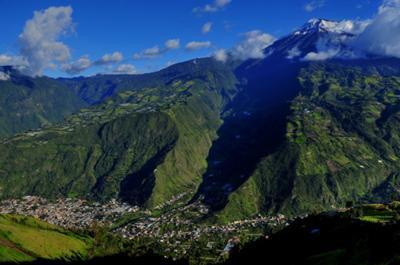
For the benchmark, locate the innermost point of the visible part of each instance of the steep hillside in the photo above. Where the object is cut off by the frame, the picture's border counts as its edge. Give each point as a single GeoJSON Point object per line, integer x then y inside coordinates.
{"type": "Point", "coordinates": [28, 103]}
{"type": "Point", "coordinates": [339, 143]}
{"type": "Point", "coordinates": [273, 135]}
{"type": "Point", "coordinates": [25, 239]}
{"type": "Point", "coordinates": [144, 146]}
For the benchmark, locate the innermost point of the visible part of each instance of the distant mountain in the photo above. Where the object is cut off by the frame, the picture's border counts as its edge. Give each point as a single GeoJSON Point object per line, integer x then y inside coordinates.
{"type": "Point", "coordinates": [28, 103]}
{"type": "Point", "coordinates": [31, 103]}
{"type": "Point", "coordinates": [317, 35]}
{"type": "Point", "coordinates": [279, 134]}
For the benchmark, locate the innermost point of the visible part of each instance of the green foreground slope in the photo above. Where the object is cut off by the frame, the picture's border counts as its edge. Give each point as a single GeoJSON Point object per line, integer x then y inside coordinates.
{"type": "Point", "coordinates": [26, 239]}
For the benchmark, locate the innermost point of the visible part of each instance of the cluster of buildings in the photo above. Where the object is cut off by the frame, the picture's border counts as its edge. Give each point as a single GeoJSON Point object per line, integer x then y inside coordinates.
{"type": "Point", "coordinates": [68, 213]}
{"type": "Point", "coordinates": [175, 226]}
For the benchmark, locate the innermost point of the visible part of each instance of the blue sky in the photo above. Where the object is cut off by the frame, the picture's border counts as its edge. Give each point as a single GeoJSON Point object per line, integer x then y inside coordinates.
{"type": "Point", "coordinates": [128, 27]}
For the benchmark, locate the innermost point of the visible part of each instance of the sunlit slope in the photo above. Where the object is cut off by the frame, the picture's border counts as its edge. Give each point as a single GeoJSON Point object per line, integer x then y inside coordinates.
{"type": "Point", "coordinates": [144, 146]}
{"type": "Point", "coordinates": [26, 239]}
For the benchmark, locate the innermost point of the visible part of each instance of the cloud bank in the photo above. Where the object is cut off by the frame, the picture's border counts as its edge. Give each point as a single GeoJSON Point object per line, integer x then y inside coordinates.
{"type": "Point", "coordinates": [40, 41]}
{"type": "Point", "coordinates": [221, 55]}
{"type": "Point", "coordinates": [4, 76]}
{"type": "Point", "coordinates": [382, 35]}
{"type": "Point", "coordinates": [41, 48]}
{"type": "Point", "coordinates": [340, 41]}
{"type": "Point", "coordinates": [252, 45]}
{"type": "Point", "coordinates": [379, 36]}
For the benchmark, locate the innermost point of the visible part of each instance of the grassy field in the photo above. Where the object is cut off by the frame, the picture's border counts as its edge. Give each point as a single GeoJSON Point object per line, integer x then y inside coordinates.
{"type": "Point", "coordinates": [25, 239]}
{"type": "Point", "coordinates": [378, 213]}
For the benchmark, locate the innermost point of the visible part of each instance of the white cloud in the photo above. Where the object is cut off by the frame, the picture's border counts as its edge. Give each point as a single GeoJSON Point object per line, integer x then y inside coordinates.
{"type": "Point", "coordinates": [321, 56]}
{"type": "Point", "coordinates": [213, 7]}
{"type": "Point", "coordinates": [6, 59]}
{"type": "Point", "coordinates": [125, 69]}
{"type": "Point", "coordinates": [336, 42]}
{"type": "Point", "coordinates": [4, 76]}
{"type": "Point", "coordinates": [344, 26]}
{"type": "Point", "coordinates": [148, 53]}
{"type": "Point", "coordinates": [293, 53]}
{"type": "Point", "coordinates": [252, 45]}
{"type": "Point", "coordinates": [16, 61]}
{"type": "Point", "coordinates": [314, 4]}
{"type": "Point", "coordinates": [206, 28]}
{"type": "Point", "coordinates": [39, 41]}
{"type": "Point", "coordinates": [155, 51]}
{"type": "Point", "coordinates": [172, 44]}
{"type": "Point", "coordinates": [221, 55]}
{"type": "Point", "coordinates": [78, 66]}
{"type": "Point", "coordinates": [197, 45]}
{"type": "Point", "coordinates": [382, 35]}
{"type": "Point", "coordinates": [115, 57]}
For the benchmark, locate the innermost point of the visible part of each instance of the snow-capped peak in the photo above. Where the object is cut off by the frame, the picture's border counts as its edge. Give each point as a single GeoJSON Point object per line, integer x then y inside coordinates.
{"type": "Point", "coordinates": [329, 26]}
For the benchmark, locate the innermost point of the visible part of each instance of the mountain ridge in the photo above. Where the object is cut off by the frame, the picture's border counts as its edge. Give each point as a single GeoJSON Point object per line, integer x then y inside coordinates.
{"type": "Point", "coordinates": [272, 135]}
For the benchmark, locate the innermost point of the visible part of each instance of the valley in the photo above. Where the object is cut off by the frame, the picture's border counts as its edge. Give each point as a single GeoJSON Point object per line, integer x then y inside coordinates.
{"type": "Point", "coordinates": [284, 155]}
{"type": "Point", "coordinates": [175, 229]}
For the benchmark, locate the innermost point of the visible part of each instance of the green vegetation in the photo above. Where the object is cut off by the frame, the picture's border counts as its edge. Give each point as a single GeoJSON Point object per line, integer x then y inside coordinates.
{"type": "Point", "coordinates": [136, 145]}
{"type": "Point", "coordinates": [341, 143]}
{"type": "Point", "coordinates": [26, 239]}
{"type": "Point", "coordinates": [29, 103]}
{"type": "Point", "coordinates": [309, 137]}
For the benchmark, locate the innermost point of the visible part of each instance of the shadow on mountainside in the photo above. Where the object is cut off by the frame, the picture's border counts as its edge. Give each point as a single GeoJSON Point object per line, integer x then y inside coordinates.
{"type": "Point", "coordinates": [254, 126]}
{"type": "Point", "coordinates": [325, 239]}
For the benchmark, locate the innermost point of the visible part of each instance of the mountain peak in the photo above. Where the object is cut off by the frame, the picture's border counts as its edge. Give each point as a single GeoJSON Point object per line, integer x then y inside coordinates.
{"type": "Point", "coordinates": [325, 25]}
{"type": "Point", "coordinates": [317, 35]}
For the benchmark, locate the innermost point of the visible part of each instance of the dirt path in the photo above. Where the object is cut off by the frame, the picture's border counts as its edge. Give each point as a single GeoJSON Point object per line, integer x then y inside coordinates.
{"type": "Point", "coordinates": [9, 244]}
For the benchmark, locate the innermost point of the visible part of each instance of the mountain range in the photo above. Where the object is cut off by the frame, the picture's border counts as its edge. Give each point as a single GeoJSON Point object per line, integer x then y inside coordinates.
{"type": "Point", "coordinates": [313, 125]}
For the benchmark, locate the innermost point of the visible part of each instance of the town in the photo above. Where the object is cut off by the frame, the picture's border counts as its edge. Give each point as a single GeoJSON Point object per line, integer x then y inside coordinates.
{"type": "Point", "coordinates": [171, 224]}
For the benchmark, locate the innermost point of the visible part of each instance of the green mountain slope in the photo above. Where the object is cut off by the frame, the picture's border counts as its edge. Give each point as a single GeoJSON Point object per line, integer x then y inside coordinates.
{"type": "Point", "coordinates": [340, 142]}
{"type": "Point", "coordinates": [138, 145]}
{"type": "Point", "coordinates": [29, 103]}
{"type": "Point", "coordinates": [293, 138]}
{"type": "Point", "coordinates": [26, 239]}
